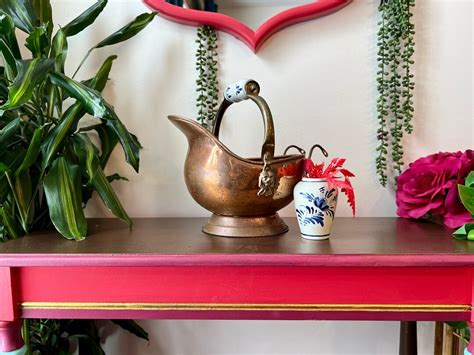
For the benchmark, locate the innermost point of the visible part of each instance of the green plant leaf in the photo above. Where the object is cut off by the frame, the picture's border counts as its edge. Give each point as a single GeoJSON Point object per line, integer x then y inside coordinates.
{"type": "Point", "coordinates": [7, 33]}
{"type": "Point", "coordinates": [96, 106]}
{"type": "Point", "coordinates": [88, 345]}
{"type": "Point", "coordinates": [11, 225]}
{"type": "Point", "coordinates": [45, 13]}
{"type": "Point", "coordinates": [470, 179]}
{"type": "Point", "coordinates": [457, 325]}
{"type": "Point", "coordinates": [58, 134]}
{"type": "Point", "coordinates": [32, 152]}
{"type": "Point", "coordinates": [91, 100]}
{"type": "Point", "coordinates": [100, 79]}
{"type": "Point", "coordinates": [132, 327]}
{"type": "Point", "coordinates": [116, 177]}
{"type": "Point", "coordinates": [123, 34]}
{"type": "Point", "coordinates": [62, 187]}
{"type": "Point", "coordinates": [8, 131]}
{"type": "Point", "coordinates": [87, 154]}
{"type": "Point", "coordinates": [466, 194]}
{"type": "Point", "coordinates": [108, 196]}
{"type": "Point", "coordinates": [3, 168]}
{"type": "Point", "coordinates": [22, 13]}
{"type": "Point", "coordinates": [30, 73]}
{"type": "Point", "coordinates": [129, 142]}
{"type": "Point", "coordinates": [464, 231]}
{"type": "Point", "coordinates": [127, 31]}
{"type": "Point", "coordinates": [8, 60]}
{"type": "Point", "coordinates": [108, 141]}
{"type": "Point", "coordinates": [59, 50]}
{"type": "Point", "coordinates": [38, 42]}
{"type": "Point", "coordinates": [85, 19]}
{"type": "Point", "coordinates": [21, 190]}
{"type": "Point", "coordinates": [23, 193]}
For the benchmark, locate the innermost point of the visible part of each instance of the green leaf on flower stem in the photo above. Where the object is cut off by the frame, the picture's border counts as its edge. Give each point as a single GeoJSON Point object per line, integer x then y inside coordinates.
{"type": "Point", "coordinates": [466, 194]}
{"type": "Point", "coordinates": [22, 13]}
{"type": "Point", "coordinates": [62, 187]}
{"type": "Point", "coordinates": [96, 106]}
{"type": "Point", "coordinates": [108, 196]}
{"type": "Point", "coordinates": [85, 19]}
{"type": "Point", "coordinates": [30, 73]}
{"type": "Point", "coordinates": [44, 13]}
{"type": "Point", "coordinates": [7, 33]}
{"type": "Point", "coordinates": [87, 154]}
{"type": "Point", "coordinates": [32, 152]}
{"type": "Point", "coordinates": [463, 231]}
{"type": "Point", "coordinates": [38, 42]}
{"type": "Point", "coordinates": [470, 179]}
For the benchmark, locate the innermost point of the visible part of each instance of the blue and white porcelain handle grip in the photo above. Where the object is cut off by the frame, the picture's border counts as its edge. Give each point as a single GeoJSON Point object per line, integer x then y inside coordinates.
{"type": "Point", "coordinates": [241, 90]}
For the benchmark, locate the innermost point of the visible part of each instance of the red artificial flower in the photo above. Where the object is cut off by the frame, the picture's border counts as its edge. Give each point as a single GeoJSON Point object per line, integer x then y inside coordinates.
{"type": "Point", "coordinates": [336, 176]}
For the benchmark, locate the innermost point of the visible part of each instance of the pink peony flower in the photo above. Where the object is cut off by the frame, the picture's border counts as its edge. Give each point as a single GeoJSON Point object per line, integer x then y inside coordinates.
{"type": "Point", "coordinates": [456, 214]}
{"type": "Point", "coordinates": [429, 187]}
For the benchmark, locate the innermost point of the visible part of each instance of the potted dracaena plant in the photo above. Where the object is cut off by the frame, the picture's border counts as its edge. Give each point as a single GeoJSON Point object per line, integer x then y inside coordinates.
{"type": "Point", "coordinates": [49, 165]}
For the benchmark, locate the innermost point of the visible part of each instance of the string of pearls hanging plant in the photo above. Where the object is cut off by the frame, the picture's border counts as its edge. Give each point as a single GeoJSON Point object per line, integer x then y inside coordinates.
{"type": "Point", "coordinates": [395, 107]}
{"type": "Point", "coordinates": [207, 84]}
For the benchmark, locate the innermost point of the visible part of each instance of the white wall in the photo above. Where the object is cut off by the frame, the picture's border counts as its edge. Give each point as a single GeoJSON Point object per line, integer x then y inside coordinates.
{"type": "Point", "coordinates": [318, 78]}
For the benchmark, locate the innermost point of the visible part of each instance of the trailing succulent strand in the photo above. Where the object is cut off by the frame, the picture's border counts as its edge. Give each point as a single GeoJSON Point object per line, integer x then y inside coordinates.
{"type": "Point", "coordinates": [395, 84]}
{"type": "Point", "coordinates": [207, 83]}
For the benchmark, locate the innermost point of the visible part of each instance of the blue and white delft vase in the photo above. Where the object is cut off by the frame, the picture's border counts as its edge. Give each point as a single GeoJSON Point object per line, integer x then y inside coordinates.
{"type": "Point", "coordinates": [315, 205]}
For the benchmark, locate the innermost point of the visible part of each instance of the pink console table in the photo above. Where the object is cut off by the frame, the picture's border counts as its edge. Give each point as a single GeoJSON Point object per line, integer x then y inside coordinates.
{"type": "Point", "coordinates": [370, 269]}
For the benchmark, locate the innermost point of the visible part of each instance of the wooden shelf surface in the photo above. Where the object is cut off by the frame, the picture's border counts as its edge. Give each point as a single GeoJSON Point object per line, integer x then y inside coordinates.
{"type": "Point", "coordinates": [154, 241]}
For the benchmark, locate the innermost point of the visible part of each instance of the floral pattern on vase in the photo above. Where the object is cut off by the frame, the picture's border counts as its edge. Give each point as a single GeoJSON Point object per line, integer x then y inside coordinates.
{"type": "Point", "coordinates": [315, 206]}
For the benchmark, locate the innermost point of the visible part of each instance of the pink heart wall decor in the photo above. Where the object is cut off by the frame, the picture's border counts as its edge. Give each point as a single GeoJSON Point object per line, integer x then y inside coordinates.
{"type": "Point", "coordinates": [253, 39]}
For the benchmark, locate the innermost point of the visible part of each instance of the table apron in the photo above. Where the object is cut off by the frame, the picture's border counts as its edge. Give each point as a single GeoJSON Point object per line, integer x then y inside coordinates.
{"type": "Point", "coordinates": [245, 292]}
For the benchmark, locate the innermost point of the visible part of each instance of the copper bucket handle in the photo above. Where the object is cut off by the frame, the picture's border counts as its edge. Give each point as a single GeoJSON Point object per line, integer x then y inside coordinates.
{"type": "Point", "coordinates": [250, 89]}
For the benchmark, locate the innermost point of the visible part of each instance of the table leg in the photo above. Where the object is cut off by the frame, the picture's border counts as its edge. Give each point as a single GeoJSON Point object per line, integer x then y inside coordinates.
{"type": "Point", "coordinates": [11, 342]}
{"type": "Point", "coordinates": [408, 338]}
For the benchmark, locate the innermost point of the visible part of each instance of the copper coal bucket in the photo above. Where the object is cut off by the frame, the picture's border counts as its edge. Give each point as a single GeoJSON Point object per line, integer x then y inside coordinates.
{"type": "Point", "coordinates": [244, 195]}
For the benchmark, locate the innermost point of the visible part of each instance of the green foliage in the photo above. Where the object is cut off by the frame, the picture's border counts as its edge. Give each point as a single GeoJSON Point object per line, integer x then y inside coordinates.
{"type": "Point", "coordinates": [207, 82]}
{"type": "Point", "coordinates": [462, 329]}
{"type": "Point", "coordinates": [395, 81]}
{"type": "Point", "coordinates": [62, 337]}
{"type": "Point", "coordinates": [48, 167]}
{"type": "Point", "coordinates": [466, 195]}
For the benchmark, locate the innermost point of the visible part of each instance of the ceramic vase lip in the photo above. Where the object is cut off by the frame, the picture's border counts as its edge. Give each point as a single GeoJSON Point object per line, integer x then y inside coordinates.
{"type": "Point", "coordinates": [314, 179]}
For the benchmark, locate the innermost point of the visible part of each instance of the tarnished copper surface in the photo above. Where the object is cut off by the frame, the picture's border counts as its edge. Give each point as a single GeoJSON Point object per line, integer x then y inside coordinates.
{"type": "Point", "coordinates": [227, 184]}
{"type": "Point", "coordinates": [245, 226]}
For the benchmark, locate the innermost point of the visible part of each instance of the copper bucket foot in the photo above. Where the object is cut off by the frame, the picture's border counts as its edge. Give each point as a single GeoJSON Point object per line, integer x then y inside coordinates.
{"type": "Point", "coordinates": [245, 227]}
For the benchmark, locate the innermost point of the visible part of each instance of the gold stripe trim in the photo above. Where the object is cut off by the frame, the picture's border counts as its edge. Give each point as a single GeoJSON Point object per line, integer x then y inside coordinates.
{"type": "Point", "coordinates": [246, 307]}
